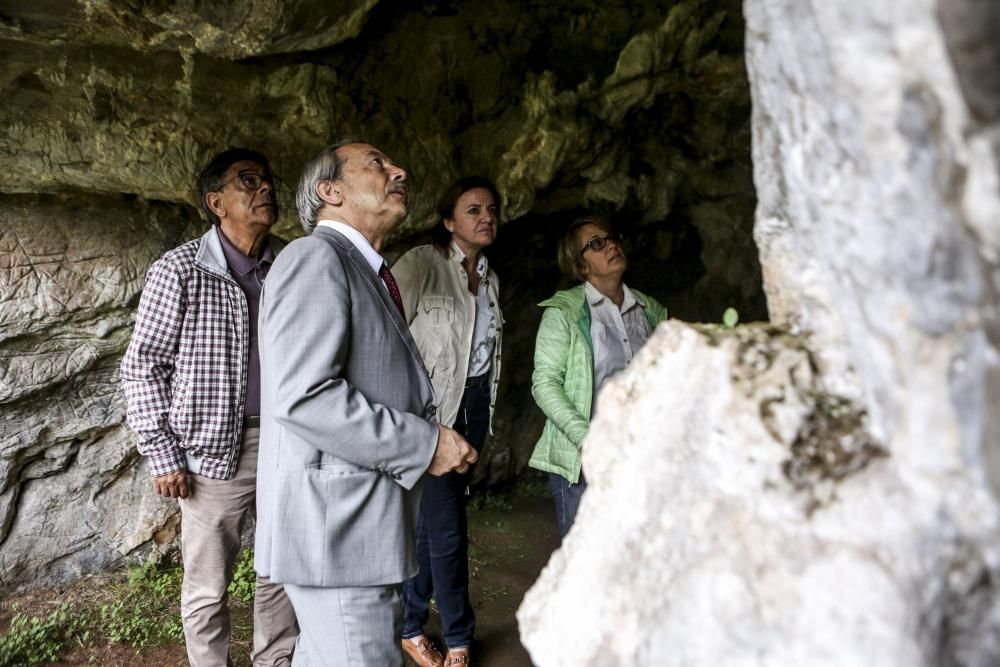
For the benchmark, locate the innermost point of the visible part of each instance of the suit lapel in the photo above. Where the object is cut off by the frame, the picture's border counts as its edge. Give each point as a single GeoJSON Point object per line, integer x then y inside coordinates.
{"type": "Point", "coordinates": [379, 291]}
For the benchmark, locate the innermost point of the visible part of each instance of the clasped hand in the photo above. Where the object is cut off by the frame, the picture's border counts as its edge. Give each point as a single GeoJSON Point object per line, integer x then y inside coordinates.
{"type": "Point", "coordinates": [453, 453]}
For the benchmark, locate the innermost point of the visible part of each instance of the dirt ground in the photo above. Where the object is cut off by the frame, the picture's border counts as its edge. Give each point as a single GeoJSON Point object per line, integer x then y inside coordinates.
{"type": "Point", "coordinates": [511, 538]}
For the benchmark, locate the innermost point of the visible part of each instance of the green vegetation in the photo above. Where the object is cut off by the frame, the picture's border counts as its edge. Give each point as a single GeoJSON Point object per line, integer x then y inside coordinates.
{"type": "Point", "coordinates": [31, 641]}
{"type": "Point", "coordinates": [139, 610]}
{"type": "Point", "coordinates": [244, 579]}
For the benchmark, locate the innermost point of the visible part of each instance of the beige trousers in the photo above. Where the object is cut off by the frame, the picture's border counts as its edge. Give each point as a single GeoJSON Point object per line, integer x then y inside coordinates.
{"type": "Point", "coordinates": [210, 542]}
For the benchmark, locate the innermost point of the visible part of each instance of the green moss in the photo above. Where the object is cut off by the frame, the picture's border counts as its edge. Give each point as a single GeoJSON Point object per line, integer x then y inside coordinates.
{"type": "Point", "coordinates": [833, 441]}
{"type": "Point", "coordinates": [758, 343]}
{"type": "Point", "coordinates": [832, 444]}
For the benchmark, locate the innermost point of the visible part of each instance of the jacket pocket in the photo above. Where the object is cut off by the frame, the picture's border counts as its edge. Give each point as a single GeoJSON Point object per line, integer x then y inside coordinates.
{"type": "Point", "coordinates": [439, 310]}
{"type": "Point", "coordinates": [181, 416]}
{"type": "Point", "coordinates": [331, 465]}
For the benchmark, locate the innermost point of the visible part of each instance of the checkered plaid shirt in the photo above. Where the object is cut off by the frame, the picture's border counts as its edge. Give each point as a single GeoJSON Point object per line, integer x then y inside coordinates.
{"type": "Point", "coordinates": [184, 372]}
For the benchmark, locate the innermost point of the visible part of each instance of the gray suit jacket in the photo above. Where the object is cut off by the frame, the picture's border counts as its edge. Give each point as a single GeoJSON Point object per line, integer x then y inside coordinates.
{"type": "Point", "coordinates": [347, 422]}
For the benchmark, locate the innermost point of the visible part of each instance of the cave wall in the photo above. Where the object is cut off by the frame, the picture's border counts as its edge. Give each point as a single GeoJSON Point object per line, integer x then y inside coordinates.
{"type": "Point", "coordinates": [821, 490]}
{"type": "Point", "coordinates": [639, 110]}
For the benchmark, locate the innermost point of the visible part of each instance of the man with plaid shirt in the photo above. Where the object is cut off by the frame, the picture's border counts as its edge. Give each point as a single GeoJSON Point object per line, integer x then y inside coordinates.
{"type": "Point", "coordinates": [191, 376]}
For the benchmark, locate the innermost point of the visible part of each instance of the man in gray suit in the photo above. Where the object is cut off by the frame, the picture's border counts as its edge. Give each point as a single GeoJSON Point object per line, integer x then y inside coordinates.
{"type": "Point", "coordinates": [348, 424]}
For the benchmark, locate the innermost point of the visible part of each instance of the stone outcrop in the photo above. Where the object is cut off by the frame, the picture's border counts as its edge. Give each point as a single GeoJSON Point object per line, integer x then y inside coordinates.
{"type": "Point", "coordinates": [821, 492]}
{"type": "Point", "coordinates": [110, 108]}
{"type": "Point", "coordinates": [74, 498]}
{"type": "Point", "coordinates": [111, 120]}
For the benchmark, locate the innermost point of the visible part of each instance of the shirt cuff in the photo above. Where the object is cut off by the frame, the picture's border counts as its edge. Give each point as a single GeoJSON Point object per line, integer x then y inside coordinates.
{"type": "Point", "coordinates": [168, 460]}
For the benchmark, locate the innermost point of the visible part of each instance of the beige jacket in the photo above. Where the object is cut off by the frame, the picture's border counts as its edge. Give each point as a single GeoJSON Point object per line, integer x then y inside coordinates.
{"type": "Point", "coordinates": [442, 317]}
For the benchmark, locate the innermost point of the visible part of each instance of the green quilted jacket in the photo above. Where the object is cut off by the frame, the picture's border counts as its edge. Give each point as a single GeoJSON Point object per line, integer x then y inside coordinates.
{"type": "Point", "coordinates": [563, 380]}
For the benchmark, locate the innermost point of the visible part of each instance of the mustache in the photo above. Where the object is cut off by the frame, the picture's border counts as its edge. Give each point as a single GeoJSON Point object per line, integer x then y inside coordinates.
{"type": "Point", "coordinates": [399, 187]}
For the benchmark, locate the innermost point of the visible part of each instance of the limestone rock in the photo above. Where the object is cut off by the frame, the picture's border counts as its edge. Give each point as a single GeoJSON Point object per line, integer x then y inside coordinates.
{"type": "Point", "coordinates": [746, 516]}
{"type": "Point", "coordinates": [822, 497]}
{"type": "Point", "coordinates": [74, 497]}
{"type": "Point", "coordinates": [110, 120]}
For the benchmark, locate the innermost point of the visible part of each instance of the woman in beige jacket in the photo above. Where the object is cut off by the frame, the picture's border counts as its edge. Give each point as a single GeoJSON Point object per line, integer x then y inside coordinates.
{"type": "Point", "coordinates": [450, 296]}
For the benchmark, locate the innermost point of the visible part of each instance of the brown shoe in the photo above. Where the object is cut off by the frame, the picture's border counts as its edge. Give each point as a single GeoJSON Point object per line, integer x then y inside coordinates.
{"type": "Point", "coordinates": [456, 657]}
{"type": "Point", "coordinates": [423, 652]}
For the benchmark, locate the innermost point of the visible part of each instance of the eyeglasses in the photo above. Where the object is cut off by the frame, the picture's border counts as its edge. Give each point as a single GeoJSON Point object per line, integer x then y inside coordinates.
{"type": "Point", "coordinates": [600, 242]}
{"type": "Point", "coordinates": [252, 181]}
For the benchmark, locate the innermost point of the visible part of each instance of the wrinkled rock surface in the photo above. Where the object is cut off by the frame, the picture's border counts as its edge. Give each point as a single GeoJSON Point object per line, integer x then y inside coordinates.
{"type": "Point", "coordinates": [74, 496]}
{"type": "Point", "coordinates": [823, 493]}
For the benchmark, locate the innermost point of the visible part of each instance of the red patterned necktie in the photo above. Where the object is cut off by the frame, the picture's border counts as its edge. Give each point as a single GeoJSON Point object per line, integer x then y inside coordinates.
{"type": "Point", "coordinates": [386, 275]}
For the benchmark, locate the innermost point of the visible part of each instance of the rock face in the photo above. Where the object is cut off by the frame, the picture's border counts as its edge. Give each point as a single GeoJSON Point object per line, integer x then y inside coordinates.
{"type": "Point", "coordinates": [822, 492]}
{"type": "Point", "coordinates": [637, 109]}
{"type": "Point", "coordinates": [74, 497]}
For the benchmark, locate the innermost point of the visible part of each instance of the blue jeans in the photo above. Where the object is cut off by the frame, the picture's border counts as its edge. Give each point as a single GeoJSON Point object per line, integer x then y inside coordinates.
{"type": "Point", "coordinates": [567, 496]}
{"type": "Point", "coordinates": [443, 536]}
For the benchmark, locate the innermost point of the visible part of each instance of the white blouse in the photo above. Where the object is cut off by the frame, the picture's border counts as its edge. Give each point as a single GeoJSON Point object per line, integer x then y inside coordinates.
{"type": "Point", "coordinates": [484, 335]}
{"type": "Point", "coordinates": [616, 333]}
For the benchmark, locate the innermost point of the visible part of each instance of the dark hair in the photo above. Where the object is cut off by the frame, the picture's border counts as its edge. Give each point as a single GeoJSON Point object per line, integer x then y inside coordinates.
{"type": "Point", "coordinates": [210, 179]}
{"type": "Point", "coordinates": [568, 254]}
{"type": "Point", "coordinates": [326, 166]}
{"type": "Point", "coordinates": [440, 235]}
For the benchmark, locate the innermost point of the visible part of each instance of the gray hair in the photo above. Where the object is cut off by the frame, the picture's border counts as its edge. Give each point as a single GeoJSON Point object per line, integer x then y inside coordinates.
{"type": "Point", "coordinates": [327, 166]}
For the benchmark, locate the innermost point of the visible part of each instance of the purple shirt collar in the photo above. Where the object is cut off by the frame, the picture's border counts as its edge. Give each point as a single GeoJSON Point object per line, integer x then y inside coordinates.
{"type": "Point", "coordinates": [239, 263]}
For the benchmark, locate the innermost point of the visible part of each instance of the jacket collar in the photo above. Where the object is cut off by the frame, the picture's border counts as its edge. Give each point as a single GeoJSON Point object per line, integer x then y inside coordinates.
{"type": "Point", "coordinates": [595, 298]}
{"type": "Point", "coordinates": [212, 258]}
{"type": "Point", "coordinates": [456, 255]}
{"type": "Point", "coordinates": [575, 297]}
{"type": "Point", "coordinates": [568, 299]}
{"type": "Point", "coordinates": [573, 302]}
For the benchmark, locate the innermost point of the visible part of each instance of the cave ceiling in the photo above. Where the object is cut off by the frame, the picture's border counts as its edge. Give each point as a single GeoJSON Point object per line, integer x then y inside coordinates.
{"type": "Point", "coordinates": [640, 110]}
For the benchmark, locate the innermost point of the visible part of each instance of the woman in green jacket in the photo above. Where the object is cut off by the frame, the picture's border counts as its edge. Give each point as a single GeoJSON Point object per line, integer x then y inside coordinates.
{"type": "Point", "coordinates": [587, 335]}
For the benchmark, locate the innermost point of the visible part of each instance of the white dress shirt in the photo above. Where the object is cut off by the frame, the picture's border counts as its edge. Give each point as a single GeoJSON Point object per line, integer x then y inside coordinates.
{"type": "Point", "coordinates": [616, 333]}
{"type": "Point", "coordinates": [371, 255]}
